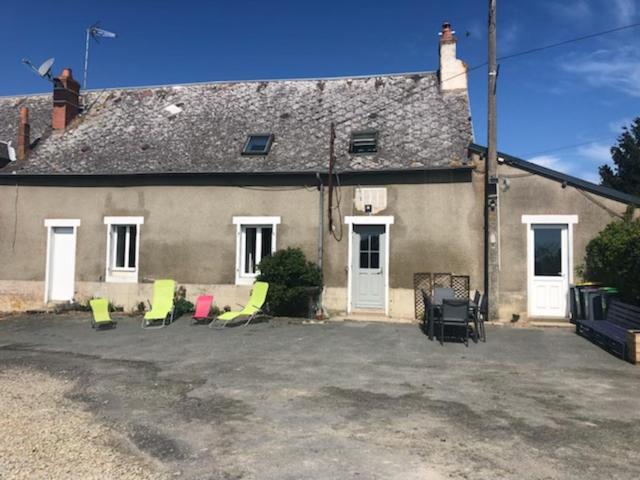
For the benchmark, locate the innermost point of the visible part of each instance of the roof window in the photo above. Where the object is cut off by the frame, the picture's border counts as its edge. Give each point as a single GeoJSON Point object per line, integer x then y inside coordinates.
{"type": "Point", "coordinates": [258, 144]}
{"type": "Point", "coordinates": [364, 142]}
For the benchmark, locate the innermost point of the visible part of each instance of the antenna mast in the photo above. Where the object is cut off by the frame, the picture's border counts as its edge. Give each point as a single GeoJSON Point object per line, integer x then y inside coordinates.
{"type": "Point", "coordinates": [93, 32]}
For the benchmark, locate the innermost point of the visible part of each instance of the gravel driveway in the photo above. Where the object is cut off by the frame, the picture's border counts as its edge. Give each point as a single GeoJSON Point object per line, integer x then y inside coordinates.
{"type": "Point", "coordinates": [289, 401]}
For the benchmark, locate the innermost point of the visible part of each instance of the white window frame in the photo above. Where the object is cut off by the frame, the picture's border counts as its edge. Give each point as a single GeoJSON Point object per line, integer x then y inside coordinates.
{"type": "Point", "coordinates": [387, 221]}
{"type": "Point", "coordinates": [120, 274]}
{"type": "Point", "coordinates": [241, 223]}
{"type": "Point", "coordinates": [49, 223]}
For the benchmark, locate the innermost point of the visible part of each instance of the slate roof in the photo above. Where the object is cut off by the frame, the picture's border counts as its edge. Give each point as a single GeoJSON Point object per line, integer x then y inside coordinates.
{"type": "Point", "coordinates": [127, 131]}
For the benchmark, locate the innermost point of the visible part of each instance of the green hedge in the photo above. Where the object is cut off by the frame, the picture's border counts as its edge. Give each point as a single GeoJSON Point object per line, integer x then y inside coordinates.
{"type": "Point", "coordinates": [613, 258]}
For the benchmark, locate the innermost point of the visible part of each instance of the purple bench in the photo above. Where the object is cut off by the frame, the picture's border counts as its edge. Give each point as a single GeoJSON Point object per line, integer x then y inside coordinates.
{"type": "Point", "coordinates": [611, 333]}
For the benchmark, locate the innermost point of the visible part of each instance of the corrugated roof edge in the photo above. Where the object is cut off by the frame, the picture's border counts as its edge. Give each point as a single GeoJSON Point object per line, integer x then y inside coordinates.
{"type": "Point", "coordinates": [576, 182]}
{"type": "Point", "coordinates": [226, 82]}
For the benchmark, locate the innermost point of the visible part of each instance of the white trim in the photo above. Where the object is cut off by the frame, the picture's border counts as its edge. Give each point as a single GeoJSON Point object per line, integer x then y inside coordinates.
{"type": "Point", "coordinates": [122, 274]}
{"type": "Point", "coordinates": [530, 221]}
{"type": "Point", "coordinates": [124, 220]}
{"type": "Point", "coordinates": [369, 220]}
{"type": "Point", "coordinates": [62, 222]}
{"type": "Point", "coordinates": [251, 221]}
{"type": "Point", "coordinates": [50, 223]}
{"type": "Point", "coordinates": [550, 219]}
{"type": "Point", "coordinates": [385, 220]}
{"type": "Point", "coordinates": [257, 220]}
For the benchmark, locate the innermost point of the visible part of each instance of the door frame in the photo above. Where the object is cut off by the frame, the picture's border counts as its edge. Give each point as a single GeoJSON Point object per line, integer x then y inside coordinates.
{"type": "Point", "coordinates": [50, 223]}
{"type": "Point", "coordinates": [529, 221]}
{"type": "Point", "coordinates": [385, 220]}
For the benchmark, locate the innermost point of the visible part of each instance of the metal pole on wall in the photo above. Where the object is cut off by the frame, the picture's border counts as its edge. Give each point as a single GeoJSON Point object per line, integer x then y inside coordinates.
{"type": "Point", "coordinates": [491, 181]}
{"type": "Point", "coordinates": [86, 59]}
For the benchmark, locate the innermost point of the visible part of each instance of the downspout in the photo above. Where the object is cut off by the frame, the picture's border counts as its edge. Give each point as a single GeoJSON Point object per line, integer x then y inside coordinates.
{"type": "Point", "coordinates": [320, 311]}
{"type": "Point", "coordinates": [320, 220]}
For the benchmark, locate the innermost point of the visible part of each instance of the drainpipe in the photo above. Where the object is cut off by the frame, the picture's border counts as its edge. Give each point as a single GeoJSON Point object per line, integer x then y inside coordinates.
{"type": "Point", "coordinates": [320, 234]}
{"type": "Point", "coordinates": [320, 220]}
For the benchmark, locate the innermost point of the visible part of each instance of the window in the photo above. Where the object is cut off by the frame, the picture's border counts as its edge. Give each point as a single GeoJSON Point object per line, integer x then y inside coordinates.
{"type": "Point", "coordinates": [547, 252]}
{"type": "Point", "coordinates": [123, 246]}
{"type": "Point", "coordinates": [256, 239]}
{"type": "Point", "coordinates": [364, 142]}
{"type": "Point", "coordinates": [258, 144]}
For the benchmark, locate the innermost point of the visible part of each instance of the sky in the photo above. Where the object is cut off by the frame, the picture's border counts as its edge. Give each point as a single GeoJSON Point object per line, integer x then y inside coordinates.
{"type": "Point", "coordinates": [562, 108]}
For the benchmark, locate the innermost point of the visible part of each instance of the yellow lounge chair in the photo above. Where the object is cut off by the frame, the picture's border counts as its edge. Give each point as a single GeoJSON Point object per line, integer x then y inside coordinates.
{"type": "Point", "coordinates": [100, 310]}
{"type": "Point", "coordinates": [162, 307]}
{"type": "Point", "coordinates": [251, 310]}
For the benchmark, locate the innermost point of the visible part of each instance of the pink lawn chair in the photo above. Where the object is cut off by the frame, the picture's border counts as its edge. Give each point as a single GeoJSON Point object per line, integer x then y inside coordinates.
{"type": "Point", "coordinates": [203, 307]}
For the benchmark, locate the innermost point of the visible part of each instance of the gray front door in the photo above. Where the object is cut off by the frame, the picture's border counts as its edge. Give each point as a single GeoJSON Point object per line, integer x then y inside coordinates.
{"type": "Point", "coordinates": [368, 283]}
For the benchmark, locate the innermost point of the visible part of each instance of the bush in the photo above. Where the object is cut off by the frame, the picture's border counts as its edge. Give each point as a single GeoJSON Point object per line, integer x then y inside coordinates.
{"type": "Point", "coordinates": [613, 258]}
{"type": "Point", "coordinates": [292, 282]}
{"type": "Point", "coordinates": [182, 305]}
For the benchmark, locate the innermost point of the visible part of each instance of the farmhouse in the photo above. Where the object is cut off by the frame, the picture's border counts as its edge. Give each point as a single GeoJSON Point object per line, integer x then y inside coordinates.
{"type": "Point", "coordinates": [376, 178]}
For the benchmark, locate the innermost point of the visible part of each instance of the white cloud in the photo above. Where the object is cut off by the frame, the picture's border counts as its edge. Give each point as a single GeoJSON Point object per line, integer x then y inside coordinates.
{"type": "Point", "coordinates": [572, 10]}
{"type": "Point", "coordinates": [616, 125]}
{"type": "Point", "coordinates": [597, 152]}
{"type": "Point", "coordinates": [551, 161]}
{"type": "Point", "coordinates": [625, 10]}
{"type": "Point", "coordinates": [592, 177]}
{"type": "Point", "coordinates": [617, 69]}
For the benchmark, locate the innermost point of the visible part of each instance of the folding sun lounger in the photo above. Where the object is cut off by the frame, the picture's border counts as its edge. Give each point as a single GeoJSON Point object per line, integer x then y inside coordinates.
{"type": "Point", "coordinates": [252, 309]}
{"type": "Point", "coordinates": [162, 307]}
{"type": "Point", "coordinates": [100, 310]}
{"type": "Point", "coordinates": [203, 307]}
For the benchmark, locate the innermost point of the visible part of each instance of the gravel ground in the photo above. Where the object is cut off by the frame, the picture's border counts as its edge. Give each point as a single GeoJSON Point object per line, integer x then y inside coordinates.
{"type": "Point", "coordinates": [47, 436]}
{"type": "Point", "coordinates": [281, 400]}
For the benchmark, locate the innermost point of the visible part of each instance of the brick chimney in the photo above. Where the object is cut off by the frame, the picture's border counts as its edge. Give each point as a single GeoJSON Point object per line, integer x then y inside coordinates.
{"type": "Point", "coordinates": [24, 134]}
{"type": "Point", "coordinates": [66, 100]}
{"type": "Point", "coordinates": [453, 71]}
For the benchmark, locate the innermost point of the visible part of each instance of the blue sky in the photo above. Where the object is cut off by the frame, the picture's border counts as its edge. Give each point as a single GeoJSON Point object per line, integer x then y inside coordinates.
{"type": "Point", "coordinates": [578, 94]}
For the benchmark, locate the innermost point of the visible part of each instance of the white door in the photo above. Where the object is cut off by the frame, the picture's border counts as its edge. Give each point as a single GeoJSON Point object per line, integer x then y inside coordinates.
{"type": "Point", "coordinates": [548, 270]}
{"type": "Point", "coordinates": [62, 252]}
{"type": "Point", "coordinates": [368, 266]}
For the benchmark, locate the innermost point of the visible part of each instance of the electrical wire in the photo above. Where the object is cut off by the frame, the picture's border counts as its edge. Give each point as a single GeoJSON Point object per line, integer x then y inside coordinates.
{"type": "Point", "coordinates": [567, 147]}
{"type": "Point", "coordinates": [508, 57]}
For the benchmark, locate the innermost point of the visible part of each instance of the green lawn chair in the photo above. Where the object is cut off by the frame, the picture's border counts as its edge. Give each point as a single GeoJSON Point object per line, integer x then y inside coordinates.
{"type": "Point", "coordinates": [100, 310]}
{"type": "Point", "coordinates": [162, 308]}
{"type": "Point", "coordinates": [253, 308]}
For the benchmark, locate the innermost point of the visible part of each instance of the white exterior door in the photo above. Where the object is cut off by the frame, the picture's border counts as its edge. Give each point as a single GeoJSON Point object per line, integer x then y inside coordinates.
{"type": "Point", "coordinates": [548, 258]}
{"type": "Point", "coordinates": [368, 266]}
{"type": "Point", "coordinates": [62, 253]}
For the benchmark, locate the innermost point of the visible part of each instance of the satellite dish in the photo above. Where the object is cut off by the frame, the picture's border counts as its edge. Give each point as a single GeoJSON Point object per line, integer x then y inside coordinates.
{"type": "Point", "coordinates": [44, 70]}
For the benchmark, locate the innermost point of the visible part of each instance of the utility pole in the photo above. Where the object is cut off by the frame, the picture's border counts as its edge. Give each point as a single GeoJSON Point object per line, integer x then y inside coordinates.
{"type": "Point", "coordinates": [492, 264]}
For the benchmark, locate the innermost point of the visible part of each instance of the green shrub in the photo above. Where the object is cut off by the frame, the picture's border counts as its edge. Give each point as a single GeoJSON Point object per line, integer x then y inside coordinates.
{"type": "Point", "coordinates": [292, 282]}
{"type": "Point", "coordinates": [182, 305]}
{"type": "Point", "coordinates": [613, 258]}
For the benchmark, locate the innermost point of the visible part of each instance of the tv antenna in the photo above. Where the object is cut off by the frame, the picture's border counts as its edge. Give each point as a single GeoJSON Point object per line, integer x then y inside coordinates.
{"type": "Point", "coordinates": [95, 32]}
{"type": "Point", "coordinates": [44, 70]}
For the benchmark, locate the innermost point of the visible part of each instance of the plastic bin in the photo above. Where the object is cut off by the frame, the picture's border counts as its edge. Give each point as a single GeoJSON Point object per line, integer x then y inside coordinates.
{"type": "Point", "coordinates": [608, 293]}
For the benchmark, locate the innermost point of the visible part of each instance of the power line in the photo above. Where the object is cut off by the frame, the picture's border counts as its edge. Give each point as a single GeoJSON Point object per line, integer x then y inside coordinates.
{"type": "Point", "coordinates": [514, 55]}
{"type": "Point", "coordinates": [567, 147]}
{"type": "Point", "coordinates": [547, 47]}
{"type": "Point", "coordinates": [571, 40]}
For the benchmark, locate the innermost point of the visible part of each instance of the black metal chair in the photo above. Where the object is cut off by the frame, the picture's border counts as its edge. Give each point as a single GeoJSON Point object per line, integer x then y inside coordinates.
{"type": "Point", "coordinates": [482, 316]}
{"type": "Point", "coordinates": [440, 293]}
{"type": "Point", "coordinates": [475, 315]}
{"type": "Point", "coordinates": [454, 313]}
{"type": "Point", "coordinates": [428, 311]}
